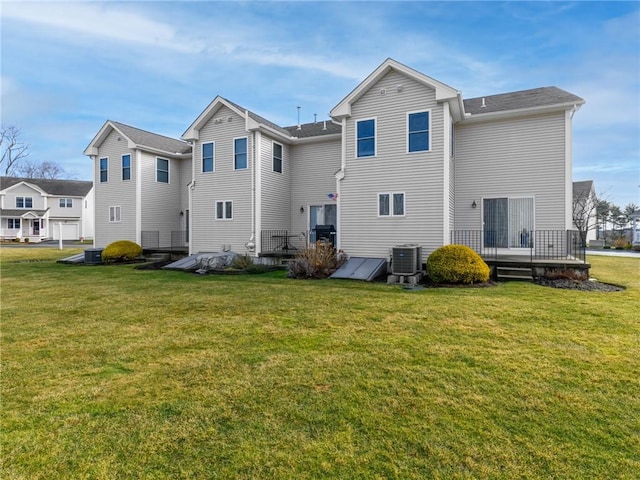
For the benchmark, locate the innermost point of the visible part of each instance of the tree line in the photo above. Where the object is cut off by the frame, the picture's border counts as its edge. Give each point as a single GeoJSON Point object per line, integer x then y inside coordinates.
{"type": "Point", "coordinates": [16, 161]}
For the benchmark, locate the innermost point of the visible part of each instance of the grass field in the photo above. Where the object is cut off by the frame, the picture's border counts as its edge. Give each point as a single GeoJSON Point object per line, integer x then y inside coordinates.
{"type": "Point", "coordinates": [114, 373]}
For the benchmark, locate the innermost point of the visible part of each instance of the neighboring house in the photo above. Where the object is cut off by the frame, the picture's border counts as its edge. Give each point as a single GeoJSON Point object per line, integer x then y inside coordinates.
{"type": "Point", "coordinates": [42, 209]}
{"type": "Point", "coordinates": [404, 159]}
{"type": "Point", "coordinates": [584, 209]}
{"type": "Point", "coordinates": [635, 228]}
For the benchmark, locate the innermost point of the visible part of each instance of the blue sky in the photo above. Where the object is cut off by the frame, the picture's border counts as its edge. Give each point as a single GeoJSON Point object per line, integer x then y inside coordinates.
{"type": "Point", "coordinates": [69, 66]}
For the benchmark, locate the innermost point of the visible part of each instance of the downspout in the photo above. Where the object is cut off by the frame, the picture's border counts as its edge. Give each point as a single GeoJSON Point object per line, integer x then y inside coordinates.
{"type": "Point", "coordinates": [138, 196]}
{"type": "Point", "coordinates": [191, 186]}
{"type": "Point", "coordinates": [251, 244]}
{"type": "Point", "coordinates": [339, 177]}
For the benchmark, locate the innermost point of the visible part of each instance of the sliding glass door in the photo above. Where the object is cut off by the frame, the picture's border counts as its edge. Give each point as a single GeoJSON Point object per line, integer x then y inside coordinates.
{"type": "Point", "coordinates": [508, 222]}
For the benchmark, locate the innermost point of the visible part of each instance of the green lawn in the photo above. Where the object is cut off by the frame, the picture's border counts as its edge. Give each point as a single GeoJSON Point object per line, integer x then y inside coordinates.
{"type": "Point", "coordinates": [117, 373]}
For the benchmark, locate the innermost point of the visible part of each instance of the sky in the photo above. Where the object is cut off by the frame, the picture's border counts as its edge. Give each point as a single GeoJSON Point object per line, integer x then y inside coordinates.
{"type": "Point", "coordinates": [67, 67]}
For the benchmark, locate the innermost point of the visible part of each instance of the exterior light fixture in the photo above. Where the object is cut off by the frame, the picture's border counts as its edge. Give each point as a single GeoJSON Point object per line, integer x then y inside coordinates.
{"type": "Point", "coordinates": [474, 204]}
{"type": "Point", "coordinates": [301, 209]}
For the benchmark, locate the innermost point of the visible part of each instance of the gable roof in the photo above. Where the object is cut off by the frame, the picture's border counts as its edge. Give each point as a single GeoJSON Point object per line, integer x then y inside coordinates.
{"type": "Point", "coordinates": [522, 100]}
{"type": "Point", "coordinates": [71, 188]}
{"type": "Point", "coordinates": [138, 138]}
{"type": "Point", "coordinates": [253, 121]}
{"type": "Point", "coordinates": [443, 92]}
{"type": "Point", "coordinates": [582, 189]}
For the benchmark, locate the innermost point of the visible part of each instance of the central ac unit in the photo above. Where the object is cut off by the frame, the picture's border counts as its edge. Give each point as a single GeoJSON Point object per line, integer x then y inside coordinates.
{"type": "Point", "coordinates": [406, 259]}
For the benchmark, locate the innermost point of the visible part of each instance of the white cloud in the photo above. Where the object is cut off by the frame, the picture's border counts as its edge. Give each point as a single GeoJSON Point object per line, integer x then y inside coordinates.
{"type": "Point", "coordinates": [112, 22]}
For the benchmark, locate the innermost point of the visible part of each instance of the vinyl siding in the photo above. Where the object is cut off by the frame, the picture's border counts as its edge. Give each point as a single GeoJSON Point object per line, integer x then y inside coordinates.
{"type": "Point", "coordinates": [522, 157]}
{"type": "Point", "coordinates": [419, 176]}
{"type": "Point", "coordinates": [225, 184]}
{"type": "Point", "coordinates": [275, 190]}
{"type": "Point", "coordinates": [313, 166]}
{"type": "Point", "coordinates": [161, 201]}
{"type": "Point", "coordinates": [114, 192]}
{"type": "Point", "coordinates": [39, 202]}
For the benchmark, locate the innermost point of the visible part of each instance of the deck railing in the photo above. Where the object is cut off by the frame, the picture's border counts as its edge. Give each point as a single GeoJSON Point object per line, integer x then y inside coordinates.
{"type": "Point", "coordinates": [538, 244]}
{"type": "Point", "coordinates": [285, 242]}
{"type": "Point", "coordinates": [174, 240]}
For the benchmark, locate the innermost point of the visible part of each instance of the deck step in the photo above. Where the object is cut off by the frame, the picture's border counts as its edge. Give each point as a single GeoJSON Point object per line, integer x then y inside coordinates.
{"type": "Point", "coordinates": [514, 273]}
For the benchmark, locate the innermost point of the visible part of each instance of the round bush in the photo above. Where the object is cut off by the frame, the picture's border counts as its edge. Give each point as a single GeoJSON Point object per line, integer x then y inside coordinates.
{"type": "Point", "coordinates": [456, 264]}
{"type": "Point", "coordinates": [121, 251]}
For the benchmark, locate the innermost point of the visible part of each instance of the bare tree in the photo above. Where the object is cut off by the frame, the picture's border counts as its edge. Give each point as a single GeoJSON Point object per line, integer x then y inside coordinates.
{"type": "Point", "coordinates": [49, 170]}
{"type": "Point", "coordinates": [14, 151]}
{"type": "Point", "coordinates": [584, 208]}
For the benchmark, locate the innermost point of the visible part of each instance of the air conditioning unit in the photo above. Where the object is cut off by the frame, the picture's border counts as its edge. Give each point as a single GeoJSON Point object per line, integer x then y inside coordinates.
{"type": "Point", "coordinates": [406, 259]}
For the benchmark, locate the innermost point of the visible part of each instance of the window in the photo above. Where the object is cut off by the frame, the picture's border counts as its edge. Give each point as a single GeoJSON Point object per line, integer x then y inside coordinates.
{"type": "Point", "coordinates": [366, 138]}
{"type": "Point", "coordinates": [24, 202]}
{"type": "Point", "coordinates": [418, 132]}
{"type": "Point", "coordinates": [208, 157]}
{"type": "Point", "coordinates": [240, 153]}
{"type": "Point", "coordinates": [162, 170]}
{"type": "Point", "coordinates": [104, 169]}
{"type": "Point", "coordinates": [391, 204]}
{"type": "Point", "coordinates": [13, 223]}
{"type": "Point", "coordinates": [114, 214]}
{"type": "Point", "coordinates": [224, 210]}
{"type": "Point", "coordinates": [277, 157]}
{"type": "Point", "coordinates": [66, 202]}
{"type": "Point", "coordinates": [126, 167]}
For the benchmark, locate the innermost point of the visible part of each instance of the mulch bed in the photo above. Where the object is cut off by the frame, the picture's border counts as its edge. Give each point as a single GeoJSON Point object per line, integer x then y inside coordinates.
{"type": "Point", "coordinates": [583, 285]}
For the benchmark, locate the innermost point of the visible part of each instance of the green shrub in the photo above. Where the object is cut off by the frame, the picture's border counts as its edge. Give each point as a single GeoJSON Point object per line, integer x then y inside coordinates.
{"type": "Point", "coordinates": [317, 262]}
{"type": "Point", "coordinates": [456, 264]}
{"type": "Point", "coordinates": [121, 251]}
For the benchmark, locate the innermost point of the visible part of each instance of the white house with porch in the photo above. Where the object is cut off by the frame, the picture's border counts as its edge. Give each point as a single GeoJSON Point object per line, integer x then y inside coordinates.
{"type": "Point", "coordinates": [42, 209]}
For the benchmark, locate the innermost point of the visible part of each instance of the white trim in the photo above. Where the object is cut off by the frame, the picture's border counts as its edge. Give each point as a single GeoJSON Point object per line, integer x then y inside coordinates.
{"type": "Point", "coordinates": [122, 167]}
{"type": "Point", "coordinates": [100, 169]}
{"type": "Point", "coordinates": [568, 169]}
{"type": "Point", "coordinates": [273, 157]}
{"type": "Point", "coordinates": [117, 214]}
{"type": "Point", "coordinates": [138, 212]}
{"type": "Point", "coordinates": [429, 131]}
{"type": "Point", "coordinates": [392, 204]}
{"type": "Point", "coordinates": [224, 210]}
{"type": "Point", "coordinates": [375, 137]}
{"type": "Point", "coordinates": [168, 182]}
{"type": "Point", "coordinates": [256, 192]}
{"type": "Point", "coordinates": [246, 152]}
{"type": "Point", "coordinates": [213, 158]}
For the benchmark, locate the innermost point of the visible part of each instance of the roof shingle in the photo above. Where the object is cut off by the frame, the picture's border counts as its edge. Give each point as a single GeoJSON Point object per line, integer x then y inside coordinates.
{"type": "Point", "coordinates": [536, 97]}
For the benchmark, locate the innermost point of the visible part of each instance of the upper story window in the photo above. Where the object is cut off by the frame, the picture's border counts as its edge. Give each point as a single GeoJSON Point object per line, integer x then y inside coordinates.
{"type": "Point", "coordinates": [24, 202]}
{"type": "Point", "coordinates": [114, 214]}
{"type": "Point", "coordinates": [224, 210]}
{"type": "Point", "coordinates": [162, 170]}
{"type": "Point", "coordinates": [366, 138]}
{"type": "Point", "coordinates": [65, 202]}
{"type": "Point", "coordinates": [277, 157]}
{"type": "Point", "coordinates": [208, 150]}
{"type": "Point", "coordinates": [240, 153]}
{"type": "Point", "coordinates": [418, 132]}
{"type": "Point", "coordinates": [391, 204]}
{"type": "Point", "coordinates": [126, 167]}
{"type": "Point", "coordinates": [104, 169]}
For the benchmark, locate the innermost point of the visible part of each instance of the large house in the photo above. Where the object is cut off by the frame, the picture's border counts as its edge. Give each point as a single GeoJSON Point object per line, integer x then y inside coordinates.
{"type": "Point", "coordinates": [35, 209]}
{"type": "Point", "coordinates": [404, 159]}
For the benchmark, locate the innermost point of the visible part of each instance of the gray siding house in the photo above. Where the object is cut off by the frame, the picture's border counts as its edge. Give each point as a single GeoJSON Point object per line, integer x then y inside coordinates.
{"type": "Point", "coordinates": [404, 159]}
